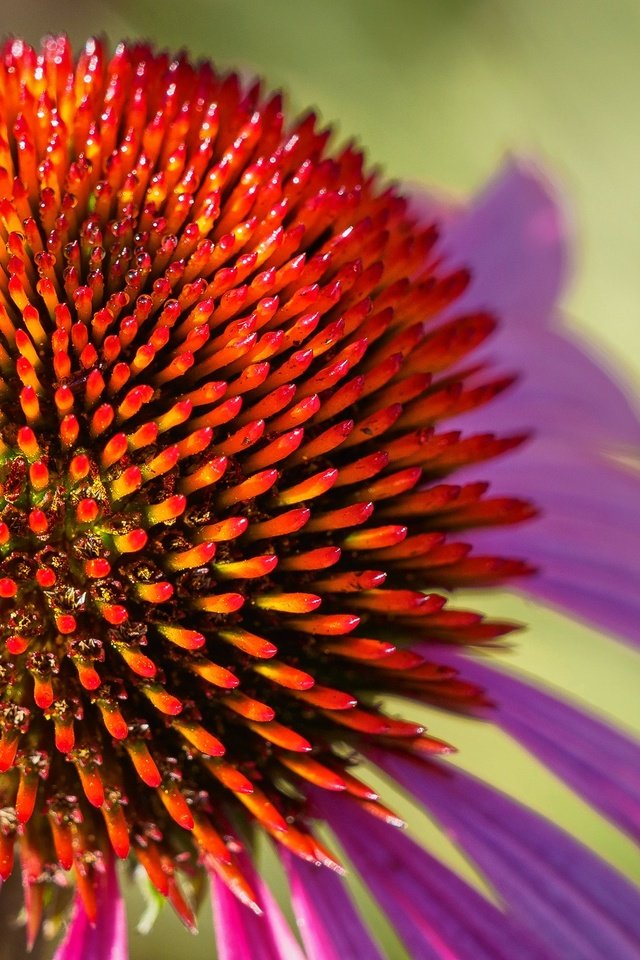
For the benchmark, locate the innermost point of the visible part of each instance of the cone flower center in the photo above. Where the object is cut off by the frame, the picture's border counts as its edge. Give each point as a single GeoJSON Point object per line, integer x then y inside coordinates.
{"type": "Point", "coordinates": [224, 484]}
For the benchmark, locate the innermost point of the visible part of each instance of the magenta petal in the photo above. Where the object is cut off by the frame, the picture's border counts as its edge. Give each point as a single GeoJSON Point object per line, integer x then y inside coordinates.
{"type": "Point", "coordinates": [107, 940]}
{"type": "Point", "coordinates": [596, 760]}
{"type": "Point", "coordinates": [557, 888]}
{"type": "Point", "coordinates": [437, 915]}
{"type": "Point", "coordinates": [585, 542]}
{"type": "Point", "coordinates": [244, 935]}
{"type": "Point", "coordinates": [330, 926]}
{"type": "Point", "coordinates": [512, 239]}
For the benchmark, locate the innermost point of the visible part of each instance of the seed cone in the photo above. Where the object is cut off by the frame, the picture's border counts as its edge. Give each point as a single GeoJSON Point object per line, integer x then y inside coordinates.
{"type": "Point", "coordinates": [224, 483]}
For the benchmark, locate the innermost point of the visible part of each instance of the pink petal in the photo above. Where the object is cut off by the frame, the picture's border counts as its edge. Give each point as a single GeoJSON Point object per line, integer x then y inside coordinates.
{"type": "Point", "coordinates": [596, 760]}
{"type": "Point", "coordinates": [585, 542]}
{"type": "Point", "coordinates": [553, 885]}
{"type": "Point", "coordinates": [437, 915]}
{"type": "Point", "coordinates": [512, 239]}
{"type": "Point", "coordinates": [107, 940]}
{"type": "Point", "coordinates": [244, 935]}
{"type": "Point", "coordinates": [330, 926]}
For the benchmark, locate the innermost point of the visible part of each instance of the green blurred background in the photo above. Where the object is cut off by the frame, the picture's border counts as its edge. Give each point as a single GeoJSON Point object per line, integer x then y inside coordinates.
{"type": "Point", "coordinates": [439, 91]}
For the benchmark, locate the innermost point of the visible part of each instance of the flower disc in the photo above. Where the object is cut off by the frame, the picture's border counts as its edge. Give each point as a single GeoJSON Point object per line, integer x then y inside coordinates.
{"type": "Point", "coordinates": [225, 355]}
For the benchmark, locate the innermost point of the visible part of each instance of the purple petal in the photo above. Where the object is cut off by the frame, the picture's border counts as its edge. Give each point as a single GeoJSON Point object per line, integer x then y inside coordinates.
{"type": "Point", "coordinates": [556, 887]}
{"type": "Point", "coordinates": [244, 935]}
{"type": "Point", "coordinates": [596, 760]}
{"type": "Point", "coordinates": [585, 542]}
{"type": "Point", "coordinates": [563, 391]}
{"type": "Point", "coordinates": [437, 915]}
{"type": "Point", "coordinates": [512, 237]}
{"type": "Point", "coordinates": [330, 926]}
{"type": "Point", "coordinates": [107, 939]}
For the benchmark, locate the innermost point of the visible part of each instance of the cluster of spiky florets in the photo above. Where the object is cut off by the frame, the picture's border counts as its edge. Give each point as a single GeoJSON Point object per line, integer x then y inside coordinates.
{"type": "Point", "coordinates": [222, 485]}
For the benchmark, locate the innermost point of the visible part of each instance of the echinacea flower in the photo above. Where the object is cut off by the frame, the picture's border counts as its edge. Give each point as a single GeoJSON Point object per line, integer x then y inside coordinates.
{"type": "Point", "coordinates": [252, 400]}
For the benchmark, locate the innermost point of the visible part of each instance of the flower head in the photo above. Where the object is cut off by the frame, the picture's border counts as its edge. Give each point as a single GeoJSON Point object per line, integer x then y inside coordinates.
{"type": "Point", "coordinates": [232, 364]}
